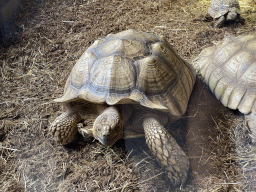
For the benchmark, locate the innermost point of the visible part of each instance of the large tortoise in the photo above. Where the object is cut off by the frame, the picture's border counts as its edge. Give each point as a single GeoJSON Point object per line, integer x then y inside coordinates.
{"type": "Point", "coordinates": [224, 10]}
{"type": "Point", "coordinates": [229, 68]}
{"type": "Point", "coordinates": [135, 78]}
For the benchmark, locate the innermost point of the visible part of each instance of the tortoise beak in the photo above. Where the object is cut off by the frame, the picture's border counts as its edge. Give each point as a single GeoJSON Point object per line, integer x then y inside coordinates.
{"type": "Point", "coordinates": [107, 136]}
{"type": "Point", "coordinates": [108, 139]}
{"type": "Point", "coordinates": [105, 140]}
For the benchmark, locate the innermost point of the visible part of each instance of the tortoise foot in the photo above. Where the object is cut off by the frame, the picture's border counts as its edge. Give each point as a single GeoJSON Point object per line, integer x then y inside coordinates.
{"type": "Point", "coordinates": [64, 127]}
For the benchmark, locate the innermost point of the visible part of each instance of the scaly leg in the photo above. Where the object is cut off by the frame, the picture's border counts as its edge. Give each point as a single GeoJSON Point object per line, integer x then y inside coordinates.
{"type": "Point", "coordinates": [167, 151]}
{"type": "Point", "coordinates": [64, 127]}
{"type": "Point", "coordinates": [219, 22]}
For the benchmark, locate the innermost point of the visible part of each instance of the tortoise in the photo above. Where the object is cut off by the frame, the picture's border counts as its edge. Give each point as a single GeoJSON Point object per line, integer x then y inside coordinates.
{"type": "Point", "coordinates": [224, 10]}
{"type": "Point", "coordinates": [229, 68]}
{"type": "Point", "coordinates": [133, 78]}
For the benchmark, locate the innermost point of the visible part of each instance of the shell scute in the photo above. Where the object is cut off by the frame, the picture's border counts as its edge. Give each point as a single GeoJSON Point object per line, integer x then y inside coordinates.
{"type": "Point", "coordinates": [127, 48]}
{"type": "Point", "coordinates": [174, 62]}
{"type": "Point", "coordinates": [251, 46]}
{"type": "Point", "coordinates": [237, 65]}
{"type": "Point", "coordinates": [151, 72]}
{"type": "Point", "coordinates": [249, 76]}
{"type": "Point", "coordinates": [220, 88]}
{"type": "Point", "coordinates": [246, 104]}
{"type": "Point", "coordinates": [224, 53]}
{"type": "Point", "coordinates": [80, 72]}
{"type": "Point", "coordinates": [236, 96]}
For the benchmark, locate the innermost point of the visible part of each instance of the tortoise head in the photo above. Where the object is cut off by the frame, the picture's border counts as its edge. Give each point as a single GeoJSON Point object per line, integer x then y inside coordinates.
{"type": "Point", "coordinates": [108, 127]}
{"type": "Point", "coordinates": [232, 15]}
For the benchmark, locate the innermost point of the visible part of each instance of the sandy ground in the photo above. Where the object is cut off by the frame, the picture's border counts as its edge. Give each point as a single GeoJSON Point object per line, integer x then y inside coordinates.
{"type": "Point", "coordinates": [33, 71]}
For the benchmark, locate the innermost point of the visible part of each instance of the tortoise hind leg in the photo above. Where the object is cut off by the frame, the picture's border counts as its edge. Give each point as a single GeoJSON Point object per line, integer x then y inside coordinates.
{"type": "Point", "coordinates": [64, 127]}
{"type": "Point", "coordinates": [167, 151]}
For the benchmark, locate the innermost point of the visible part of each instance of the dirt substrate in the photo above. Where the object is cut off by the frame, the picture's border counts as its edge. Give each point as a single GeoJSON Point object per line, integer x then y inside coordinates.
{"type": "Point", "coordinates": [33, 71]}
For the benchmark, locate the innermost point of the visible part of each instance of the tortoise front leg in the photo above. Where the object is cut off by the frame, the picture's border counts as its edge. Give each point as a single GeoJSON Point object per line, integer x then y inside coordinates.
{"type": "Point", "coordinates": [64, 127]}
{"type": "Point", "coordinates": [219, 22]}
{"type": "Point", "coordinates": [167, 151]}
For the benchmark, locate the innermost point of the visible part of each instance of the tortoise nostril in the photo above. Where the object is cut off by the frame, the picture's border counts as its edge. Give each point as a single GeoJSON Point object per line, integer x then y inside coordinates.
{"type": "Point", "coordinates": [105, 131]}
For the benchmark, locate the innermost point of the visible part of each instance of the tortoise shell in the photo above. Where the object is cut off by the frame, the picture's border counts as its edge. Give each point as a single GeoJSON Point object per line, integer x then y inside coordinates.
{"type": "Point", "coordinates": [131, 67]}
{"type": "Point", "coordinates": [229, 69]}
{"type": "Point", "coordinates": [219, 8]}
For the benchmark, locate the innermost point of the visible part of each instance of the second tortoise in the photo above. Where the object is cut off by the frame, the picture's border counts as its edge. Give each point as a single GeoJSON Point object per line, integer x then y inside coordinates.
{"type": "Point", "coordinates": [224, 10]}
{"type": "Point", "coordinates": [229, 68]}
